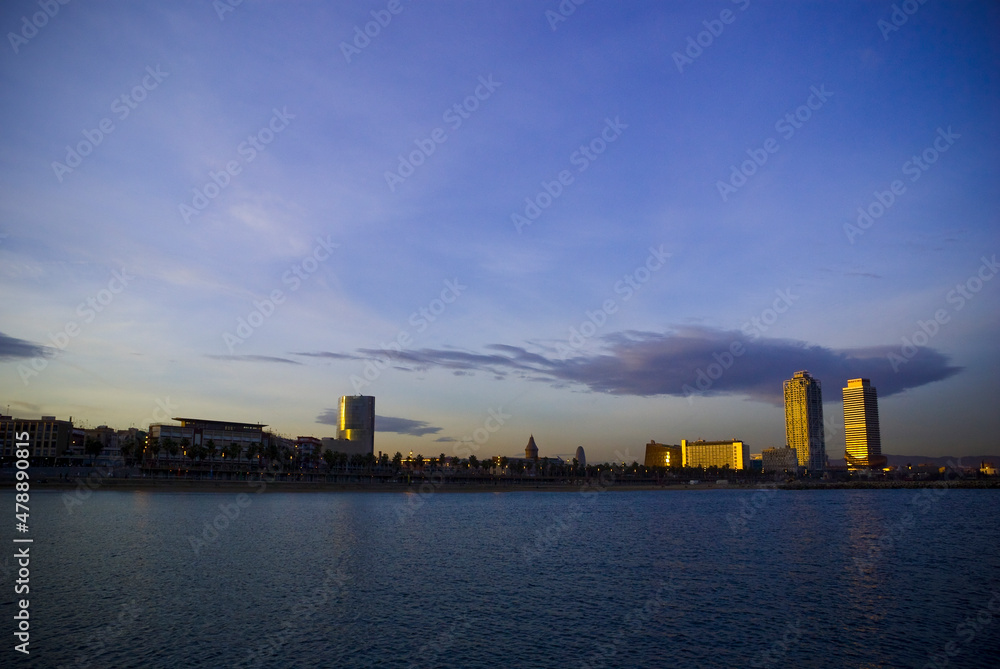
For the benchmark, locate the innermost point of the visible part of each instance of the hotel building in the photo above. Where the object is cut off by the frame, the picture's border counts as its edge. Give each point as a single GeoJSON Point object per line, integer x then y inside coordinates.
{"type": "Point", "coordinates": [734, 454]}
{"type": "Point", "coordinates": [804, 420]}
{"type": "Point", "coordinates": [662, 455]}
{"type": "Point", "coordinates": [861, 433]}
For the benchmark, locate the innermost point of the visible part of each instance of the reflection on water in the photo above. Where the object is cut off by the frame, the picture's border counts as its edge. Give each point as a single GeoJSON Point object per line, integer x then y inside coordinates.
{"type": "Point", "coordinates": [624, 580]}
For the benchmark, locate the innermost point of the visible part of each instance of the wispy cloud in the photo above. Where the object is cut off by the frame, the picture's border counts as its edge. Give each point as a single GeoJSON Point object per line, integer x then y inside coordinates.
{"type": "Point", "coordinates": [328, 417]}
{"type": "Point", "coordinates": [12, 348]}
{"type": "Point", "coordinates": [254, 358]}
{"type": "Point", "coordinates": [663, 363]}
{"type": "Point", "coordinates": [416, 428]}
{"type": "Point", "coordinates": [330, 355]}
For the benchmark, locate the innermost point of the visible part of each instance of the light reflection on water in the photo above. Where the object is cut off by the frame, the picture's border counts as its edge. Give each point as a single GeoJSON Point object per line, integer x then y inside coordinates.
{"type": "Point", "coordinates": [626, 579]}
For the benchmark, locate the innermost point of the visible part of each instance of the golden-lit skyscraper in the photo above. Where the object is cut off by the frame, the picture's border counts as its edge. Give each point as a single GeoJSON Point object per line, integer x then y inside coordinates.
{"type": "Point", "coordinates": [357, 420]}
{"type": "Point", "coordinates": [864, 444]}
{"type": "Point", "coordinates": [804, 420]}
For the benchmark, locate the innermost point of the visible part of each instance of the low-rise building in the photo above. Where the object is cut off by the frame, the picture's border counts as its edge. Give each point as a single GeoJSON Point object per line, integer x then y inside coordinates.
{"type": "Point", "coordinates": [111, 454]}
{"type": "Point", "coordinates": [47, 437]}
{"type": "Point", "coordinates": [198, 432]}
{"type": "Point", "coordinates": [733, 454]}
{"type": "Point", "coordinates": [662, 455]}
{"type": "Point", "coordinates": [308, 446]}
{"type": "Point", "coordinates": [779, 459]}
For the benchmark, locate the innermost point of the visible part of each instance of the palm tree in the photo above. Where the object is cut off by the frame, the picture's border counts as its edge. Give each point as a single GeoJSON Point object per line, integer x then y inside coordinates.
{"type": "Point", "coordinates": [154, 448]}
{"type": "Point", "coordinates": [170, 446]}
{"type": "Point", "coordinates": [173, 449]}
{"type": "Point", "coordinates": [271, 452]}
{"type": "Point", "coordinates": [211, 449]}
{"type": "Point", "coordinates": [252, 451]}
{"type": "Point", "coordinates": [125, 448]}
{"type": "Point", "coordinates": [329, 458]}
{"type": "Point", "coordinates": [232, 451]}
{"type": "Point", "coordinates": [139, 450]}
{"type": "Point", "coordinates": [93, 448]}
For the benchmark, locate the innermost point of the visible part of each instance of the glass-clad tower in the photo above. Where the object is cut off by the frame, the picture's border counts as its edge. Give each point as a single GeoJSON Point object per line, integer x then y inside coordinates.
{"type": "Point", "coordinates": [861, 433]}
{"type": "Point", "coordinates": [357, 420]}
{"type": "Point", "coordinates": [804, 420]}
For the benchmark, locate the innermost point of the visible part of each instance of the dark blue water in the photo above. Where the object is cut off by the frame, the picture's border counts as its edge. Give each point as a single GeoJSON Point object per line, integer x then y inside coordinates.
{"type": "Point", "coordinates": [719, 578]}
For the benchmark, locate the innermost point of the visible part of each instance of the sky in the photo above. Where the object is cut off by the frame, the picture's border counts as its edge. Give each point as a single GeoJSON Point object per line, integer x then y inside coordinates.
{"type": "Point", "coordinates": [597, 223]}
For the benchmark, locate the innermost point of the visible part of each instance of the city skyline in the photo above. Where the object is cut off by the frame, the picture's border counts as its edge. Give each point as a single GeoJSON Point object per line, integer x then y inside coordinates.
{"type": "Point", "coordinates": [623, 224]}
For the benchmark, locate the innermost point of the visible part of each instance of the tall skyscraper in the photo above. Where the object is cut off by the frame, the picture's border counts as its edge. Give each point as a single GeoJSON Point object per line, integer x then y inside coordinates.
{"type": "Point", "coordinates": [357, 420]}
{"type": "Point", "coordinates": [804, 420]}
{"type": "Point", "coordinates": [864, 444]}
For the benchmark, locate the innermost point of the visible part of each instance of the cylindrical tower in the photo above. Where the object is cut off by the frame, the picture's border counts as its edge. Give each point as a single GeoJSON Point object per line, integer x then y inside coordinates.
{"type": "Point", "coordinates": [357, 420]}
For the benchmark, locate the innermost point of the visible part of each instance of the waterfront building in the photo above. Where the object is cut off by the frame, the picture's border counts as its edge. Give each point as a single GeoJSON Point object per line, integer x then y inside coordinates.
{"type": "Point", "coordinates": [779, 459]}
{"type": "Point", "coordinates": [356, 422]}
{"type": "Point", "coordinates": [111, 454]}
{"type": "Point", "coordinates": [581, 457]}
{"type": "Point", "coordinates": [804, 420]}
{"type": "Point", "coordinates": [47, 437]}
{"type": "Point", "coordinates": [308, 446]}
{"type": "Point", "coordinates": [734, 454]}
{"type": "Point", "coordinates": [198, 432]}
{"type": "Point", "coordinates": [662, 455]}
{"type": "Point", "coordinates": [861, 430]}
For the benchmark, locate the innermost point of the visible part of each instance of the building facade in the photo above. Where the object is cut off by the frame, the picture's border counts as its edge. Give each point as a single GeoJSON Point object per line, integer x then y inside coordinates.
{"type": "Point", "coordinates": [356, 422]}
{"type": "Point", "coordinates": [779, 459]}
{"type": "Point", "coordinates": [47, 437]}
{"type": "Point", "coordinates": [861, 430]}
{"type": "Point", "coordinates": [804, 420]}
{"type": "Point", "coordinates": [734, 454]}
{"type": "Point", "coordinates": [345, 446]}
{"type": "Point", "coordinates": [111, 442]}
{"type": "Point", "coordinates": [309, 446]}
{"type": "Point", "coordinates": [662, 455]}
{"type": "Point", "coordinates": [198, 432]}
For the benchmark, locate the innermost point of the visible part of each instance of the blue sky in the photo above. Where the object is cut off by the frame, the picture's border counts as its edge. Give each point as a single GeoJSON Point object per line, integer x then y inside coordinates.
{"type": "Point", "coordinates": [537, 218]}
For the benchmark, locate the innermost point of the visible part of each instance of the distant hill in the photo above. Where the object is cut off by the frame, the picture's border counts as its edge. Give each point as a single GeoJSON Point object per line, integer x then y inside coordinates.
{"type": "Point", "coordinates": [902, 460]}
